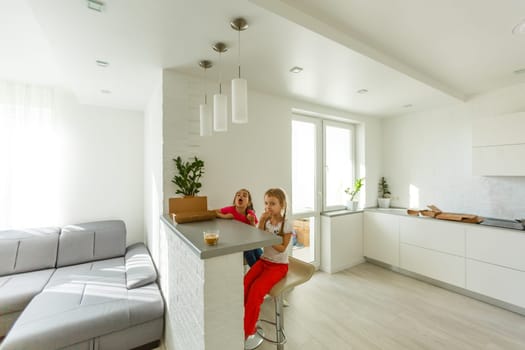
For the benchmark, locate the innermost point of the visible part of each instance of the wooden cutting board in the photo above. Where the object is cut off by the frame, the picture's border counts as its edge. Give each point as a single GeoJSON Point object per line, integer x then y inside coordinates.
{"type": "Point", "coordinates": [469, 218]}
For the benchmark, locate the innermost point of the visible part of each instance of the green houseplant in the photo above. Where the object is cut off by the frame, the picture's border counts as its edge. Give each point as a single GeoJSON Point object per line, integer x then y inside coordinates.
{"type": "Point", "coordinates": [384, 194]}
{"type": "Point", "coordinates": [188, 184]}
{"type": "Point", "coordinates": [353, 192]}
{"type": "Point", "coordinates": [188, 178]}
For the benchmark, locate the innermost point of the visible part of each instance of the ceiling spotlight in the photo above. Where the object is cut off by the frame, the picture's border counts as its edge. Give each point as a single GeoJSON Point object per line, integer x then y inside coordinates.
{"type": "Point", "coordinates": [95, 5]}
{"type": "Point", "coordinates": [362, 91]}
{"type": "Point", "coordinates": [296, 69]}
{"type": "Point", "coordinates": [102, 64]}
{"type": "Point", "coordinates": [519, 28]}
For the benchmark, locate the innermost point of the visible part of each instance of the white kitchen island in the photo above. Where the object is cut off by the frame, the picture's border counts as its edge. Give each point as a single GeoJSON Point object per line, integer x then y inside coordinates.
{"type": "Point", "coordinates": [203, 285]}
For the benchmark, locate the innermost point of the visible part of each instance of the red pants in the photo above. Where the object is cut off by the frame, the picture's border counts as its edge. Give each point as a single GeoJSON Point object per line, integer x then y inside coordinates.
{"type": "Point", "coordinates": [259, 280]}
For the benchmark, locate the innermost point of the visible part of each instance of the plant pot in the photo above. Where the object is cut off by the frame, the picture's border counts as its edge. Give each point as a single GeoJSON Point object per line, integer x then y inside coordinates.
{"type": "Point", "coordinates": [383, 202]}
{"type": "Point", "coordinates": [188, 204]}
{"type": "Point", "coordinates": [352, 205]}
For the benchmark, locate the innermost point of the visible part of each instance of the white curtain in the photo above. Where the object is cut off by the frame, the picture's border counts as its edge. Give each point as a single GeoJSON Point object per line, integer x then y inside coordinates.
{"type": "Point", "coordinates": [29, 156]}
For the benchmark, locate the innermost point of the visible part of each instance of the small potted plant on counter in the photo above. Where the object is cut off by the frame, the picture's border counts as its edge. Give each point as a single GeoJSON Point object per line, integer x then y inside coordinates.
{"type": "Point", "coordinates": [352, 203]}
{"type": "Point", "coordinates": [187, 181]}
{"type": "Point", "coordinates": [384, 194]}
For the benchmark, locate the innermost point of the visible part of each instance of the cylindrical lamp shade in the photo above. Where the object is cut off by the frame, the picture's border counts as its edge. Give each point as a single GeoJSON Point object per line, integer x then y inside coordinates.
{"type": "Point", "coordinates": [205, 119]}
{"type": "Point", "coordinates": [220, 112]}
{"type": "Point", "coordinates": [239, 101]}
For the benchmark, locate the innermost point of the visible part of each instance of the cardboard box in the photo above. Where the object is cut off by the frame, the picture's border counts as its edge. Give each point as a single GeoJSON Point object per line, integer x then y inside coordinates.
{"type": "Point", "coordinates": [188, 204]}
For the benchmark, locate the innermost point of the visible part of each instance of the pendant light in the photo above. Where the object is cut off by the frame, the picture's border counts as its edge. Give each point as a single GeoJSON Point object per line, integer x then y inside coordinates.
{"type": "Point", "coordinates": [220, 102]}
{"type": "Point", "coordinates": [239, 85]}
{"type": "Point", "coordinates": [204, 109]}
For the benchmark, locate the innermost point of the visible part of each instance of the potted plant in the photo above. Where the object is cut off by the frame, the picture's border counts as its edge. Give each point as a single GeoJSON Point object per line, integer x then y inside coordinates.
{"type": "Point", "coordinates": [384, 194]}
{"type": "Point", "coordinates": [188, 184]}
{"type": "Point", "coordinates": [352, 203]}
{"type": "Point", "coordinates": [189, 174]}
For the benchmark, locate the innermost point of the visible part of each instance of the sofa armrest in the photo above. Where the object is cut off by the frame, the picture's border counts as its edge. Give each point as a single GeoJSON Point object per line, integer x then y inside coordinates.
{"type": "Point", "coordinates": [140, 270]}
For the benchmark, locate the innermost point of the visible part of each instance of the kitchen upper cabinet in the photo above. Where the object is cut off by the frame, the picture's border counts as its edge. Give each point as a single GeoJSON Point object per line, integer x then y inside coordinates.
{"type": "Point", "coordinates": [341, 241]}
{"type": "Point", "coordinates": [498, 145]}
{"type": "Point", "coordinates": [381, 237]}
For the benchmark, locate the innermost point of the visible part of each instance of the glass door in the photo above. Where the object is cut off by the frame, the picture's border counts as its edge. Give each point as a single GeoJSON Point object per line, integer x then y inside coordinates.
{"type": "Point", "coordinates": [306, 175]}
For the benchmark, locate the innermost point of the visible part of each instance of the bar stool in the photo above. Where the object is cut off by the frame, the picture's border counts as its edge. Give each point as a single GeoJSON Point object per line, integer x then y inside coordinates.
{"type": "Point", "coordinates": [298, 273]}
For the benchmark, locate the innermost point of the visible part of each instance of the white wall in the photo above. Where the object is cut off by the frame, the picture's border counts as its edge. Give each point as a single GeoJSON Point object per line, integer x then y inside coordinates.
{"type": "Point", "coordinates": [153, 185]}
{"type": "Point", "coordinates": [256, 155]}
{"type": "Point", "coordinates": [102, 165]}
{"type": "Point", "coordinates": [432, 151]}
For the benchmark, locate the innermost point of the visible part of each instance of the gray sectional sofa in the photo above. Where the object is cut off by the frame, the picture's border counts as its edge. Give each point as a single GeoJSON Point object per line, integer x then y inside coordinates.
{"type": "Point", "coordinates": [77, 287]}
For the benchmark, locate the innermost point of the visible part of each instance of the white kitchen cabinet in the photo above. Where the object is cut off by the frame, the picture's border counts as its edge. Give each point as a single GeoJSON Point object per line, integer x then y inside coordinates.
{"type": "Point", "coordinates": [496, 263]}
{"type": "Point", "coordinates": [341, 241]}
{"type": "Point", "coordinates": [486, 260]}
{"type": "Point", "coordinates": [502, 160]}
{"type": "Point", "coordinates": [496, 281]}
{"type": "Point", "coordinates": [496, 246]}
{"type": "Point", "coordinates": [446, 237]}
{"type": "Point", "coordinates": [498, 145]}
{"type": "Point", "coordinates": [434, 264]}
{"type": "Point", "coordinates": [433, 248]}
{"type": "Point", "coordinates": [381, 237]}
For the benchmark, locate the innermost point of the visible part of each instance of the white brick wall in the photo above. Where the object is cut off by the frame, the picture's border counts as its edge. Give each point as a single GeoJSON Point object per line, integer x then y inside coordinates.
{"type": "Point", "coordinates": [204, 298]}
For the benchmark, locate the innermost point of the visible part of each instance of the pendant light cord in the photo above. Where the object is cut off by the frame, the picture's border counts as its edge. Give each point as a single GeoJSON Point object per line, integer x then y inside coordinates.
{"type": "Point", "coordinates": [220, 73]}
{"type": "Point", "coordinates": [239, 54]}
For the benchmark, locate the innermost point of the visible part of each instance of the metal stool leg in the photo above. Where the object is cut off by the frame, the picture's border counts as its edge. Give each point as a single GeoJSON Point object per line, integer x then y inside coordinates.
{"type": "Point", "coordinates": [280, 336]}
{"type": "Point", "coordinates": [279, 322]}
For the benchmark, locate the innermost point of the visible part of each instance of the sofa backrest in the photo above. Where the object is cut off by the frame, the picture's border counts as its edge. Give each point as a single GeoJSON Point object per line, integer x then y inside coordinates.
{"type": "Point", "coordinates": [28, 249]}
{"type": "Point", "coordinates": [91, 241]}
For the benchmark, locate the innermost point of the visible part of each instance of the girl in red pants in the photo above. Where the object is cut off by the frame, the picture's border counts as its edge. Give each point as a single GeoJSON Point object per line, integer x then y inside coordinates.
{"type": "Point", "coordinates": [270, 268]}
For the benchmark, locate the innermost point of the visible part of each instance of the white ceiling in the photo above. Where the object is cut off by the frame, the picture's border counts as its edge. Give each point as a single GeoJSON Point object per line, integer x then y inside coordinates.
{"type": "Point", "coordinates": [424, 53]}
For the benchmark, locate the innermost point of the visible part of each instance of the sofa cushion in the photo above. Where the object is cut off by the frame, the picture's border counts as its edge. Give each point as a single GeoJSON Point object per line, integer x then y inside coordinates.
{"type": "Point", "coordinates": [139, 266]}
{"type": "Point", "coordinates": [28, 250]}
{"type": "Point", "coordinates": [81, 302]}
{"type": "Point", "coordinates": [91, 241]}
{"type": "Point", "coordinates": [16, 291]}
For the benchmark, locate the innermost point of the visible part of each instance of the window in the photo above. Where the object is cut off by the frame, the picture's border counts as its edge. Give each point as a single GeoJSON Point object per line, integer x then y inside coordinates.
{"type": "Point", "coordinates": [339, 163]}
{"type": "Point", "coordinates": [323, 165]}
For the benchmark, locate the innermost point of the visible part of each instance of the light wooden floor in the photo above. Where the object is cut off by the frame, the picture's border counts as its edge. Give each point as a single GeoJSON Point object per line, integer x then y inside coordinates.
{"type": "Point", "coordinates": [369, 307]}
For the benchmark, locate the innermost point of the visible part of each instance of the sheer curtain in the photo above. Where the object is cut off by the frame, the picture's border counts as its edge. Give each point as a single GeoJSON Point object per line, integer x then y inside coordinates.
{"type": "Point", "coordinates": [29, 156]}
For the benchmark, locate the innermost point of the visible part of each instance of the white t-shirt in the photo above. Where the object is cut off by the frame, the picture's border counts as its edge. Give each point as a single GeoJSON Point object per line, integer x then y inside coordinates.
{"type": "Point", "coordinates": [270, 253]}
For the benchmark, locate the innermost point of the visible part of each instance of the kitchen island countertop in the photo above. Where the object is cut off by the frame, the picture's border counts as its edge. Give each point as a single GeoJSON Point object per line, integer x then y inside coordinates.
{"type": "Point", "coordinates": [234, 236]}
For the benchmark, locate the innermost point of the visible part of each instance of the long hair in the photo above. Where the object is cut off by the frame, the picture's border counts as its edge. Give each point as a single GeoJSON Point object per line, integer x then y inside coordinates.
{"type": "Point", "coordinates": [250, 205]}
{"type": "Point", "coordinates": [280, 195]}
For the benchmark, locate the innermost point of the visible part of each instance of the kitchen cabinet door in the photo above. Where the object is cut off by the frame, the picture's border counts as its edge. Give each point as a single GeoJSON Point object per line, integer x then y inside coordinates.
{"type": "Point", "coordinates": [496, 246]}
{"type": "Point", "coordinates": [447, 237]}
{"type": "Point", "coordinates": [498, 145]}
{"type": "Point", "coordinates": [500, 160]}
{"type": "Point", "coordinates": [381, 237]}
{"type": "Point", "coordinates": [341, 242]}
{"type": "Point", "coordinates": [497, 282]}
{"type": "Point", "coordinates": [430, 263]}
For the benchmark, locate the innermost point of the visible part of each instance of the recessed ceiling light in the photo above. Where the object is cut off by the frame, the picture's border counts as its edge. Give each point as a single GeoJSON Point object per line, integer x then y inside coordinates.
{"type": "Point", "coordinates": [519, 28]}
{"type": "Point", "coordinates": [408, 105]}
{"type": "Point", "coordinates": [105, 91]}
{"type": "Point", "coordinates": [95, 5]}
{"type": "Point", "coordinates": [296, 69]}
{"type": "Point", "coordinates": [362, 91]}
{"type": "Point", "coordinates": [101, 63]}
{"type": "Point", "coordinates": [519, 71]}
